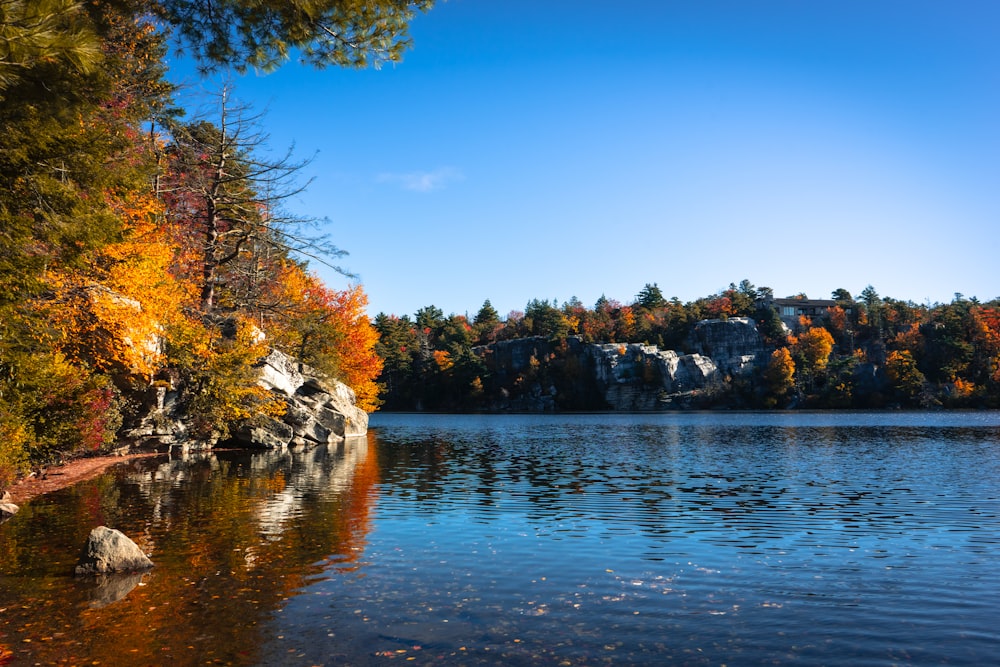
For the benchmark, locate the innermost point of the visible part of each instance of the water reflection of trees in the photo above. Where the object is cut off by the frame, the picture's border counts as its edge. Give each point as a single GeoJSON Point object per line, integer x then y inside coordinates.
{"type": "Point", "coordinates": [761, 488]}
{"type": "Point", "coordinates": [233, 535]}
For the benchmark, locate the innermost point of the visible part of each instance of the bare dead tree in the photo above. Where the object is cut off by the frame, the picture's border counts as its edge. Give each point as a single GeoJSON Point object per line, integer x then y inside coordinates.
{"type": "Point", "coordinates": [227, 200]}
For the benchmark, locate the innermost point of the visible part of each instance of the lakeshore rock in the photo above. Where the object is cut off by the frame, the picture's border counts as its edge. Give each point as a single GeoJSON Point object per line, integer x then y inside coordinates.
{"type": "Point", "coordinates": [541, 375]}
{"type": "Point", "coordinates": [643, 377]}
{"type": "Point", "coordinates": [318, 410]}
{"type": "Point", "coordinates": [109, 550]}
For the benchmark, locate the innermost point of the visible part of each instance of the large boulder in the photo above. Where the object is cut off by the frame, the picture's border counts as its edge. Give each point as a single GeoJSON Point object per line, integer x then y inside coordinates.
{"type": "Point", "coordinates": [109, 550]}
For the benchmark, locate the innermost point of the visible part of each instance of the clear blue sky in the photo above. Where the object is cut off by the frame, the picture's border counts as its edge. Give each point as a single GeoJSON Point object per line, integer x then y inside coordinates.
{"type": "Point", "coordinates": [528, 149]}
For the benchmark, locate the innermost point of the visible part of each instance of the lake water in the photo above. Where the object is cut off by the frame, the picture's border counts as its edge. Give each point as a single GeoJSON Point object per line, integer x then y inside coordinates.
{"type": "Point", "coordinates": [681, 538]}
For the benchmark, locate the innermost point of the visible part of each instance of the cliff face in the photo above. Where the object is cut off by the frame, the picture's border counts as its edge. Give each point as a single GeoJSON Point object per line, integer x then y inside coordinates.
{"type": "Point", "coordinates": [536, 374]}
{"type": "Point", "coordinates": [734, 345]}
{"type": "Point", "coordinates": [643, 377]}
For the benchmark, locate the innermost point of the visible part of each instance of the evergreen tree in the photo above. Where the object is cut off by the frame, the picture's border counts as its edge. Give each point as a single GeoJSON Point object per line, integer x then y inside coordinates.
{"type": "Point", "coordinates": [35, 34]}
{"type": "Point", "coordinates": [650, 297]}
{"type": "Point", "coordinates": [263, 34]}
{"type": "Point", "coordinates": [485, 323]}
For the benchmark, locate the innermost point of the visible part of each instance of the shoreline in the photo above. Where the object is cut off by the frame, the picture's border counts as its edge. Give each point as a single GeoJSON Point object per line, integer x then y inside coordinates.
{"type": "Point", "coordinates": [68, 474]}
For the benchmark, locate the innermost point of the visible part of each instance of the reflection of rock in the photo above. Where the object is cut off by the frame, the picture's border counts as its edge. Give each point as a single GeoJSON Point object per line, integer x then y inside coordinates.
{"type": "Point", "coordinates": [111, 588]}
{"type": "Point", "coordinates": [108, 550]}
{"type": "Point", "coordinates": [326, 470]}
{"type": "Point", "coordinates": [307, 474]}
{"type": "Point", "coordinates": [7, 510]}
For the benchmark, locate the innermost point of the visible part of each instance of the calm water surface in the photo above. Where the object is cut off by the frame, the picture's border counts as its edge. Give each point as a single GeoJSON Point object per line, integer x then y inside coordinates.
{"type": "Point", "coordinates": [705, 538]}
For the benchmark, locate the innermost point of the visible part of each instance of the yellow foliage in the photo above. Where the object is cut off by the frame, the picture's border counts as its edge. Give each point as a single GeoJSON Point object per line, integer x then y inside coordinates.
{"type": "Point", "coordinates": [112, 316]}
{"type": "Point", "coordinates": [222, 375]}
{"type": "Point", "coordinates": [13, 447]}
{"type": "Point", "coordinates": [780, 372]}
{"type": "Point", "coordinates": [815, 346]}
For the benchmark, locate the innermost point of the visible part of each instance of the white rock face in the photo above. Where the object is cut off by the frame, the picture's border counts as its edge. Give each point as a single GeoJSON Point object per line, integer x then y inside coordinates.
{"type": "Point", "coordinates": [320, 411]}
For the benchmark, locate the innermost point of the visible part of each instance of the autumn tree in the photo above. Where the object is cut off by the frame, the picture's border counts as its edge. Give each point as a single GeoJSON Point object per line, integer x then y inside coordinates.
{"type": "Point", "coordinates": [99, 249]}
{"type": "Point", "coordinates": [576, 315]}
{"type": "Point", "coordinates": [779, 377]}
{"type": "Point", "coordinates": [906, 379]}
{"type": "Point", "coordinates": [742, 299]}
{"type": "Point", "coordinates": [328, 330]}
{"type": "Point", "coordinates": [814, 347]}
{"type": "Point", "coordinates": [71, 162]}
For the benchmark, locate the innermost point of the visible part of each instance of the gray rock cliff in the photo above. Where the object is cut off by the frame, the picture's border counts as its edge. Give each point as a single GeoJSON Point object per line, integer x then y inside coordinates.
{"type": "Point", "coordinates": [643, 377]}
{"type": "Point", "coordinates": [319, 410]}
{"type": "Point", "coordinates": [734, 345]}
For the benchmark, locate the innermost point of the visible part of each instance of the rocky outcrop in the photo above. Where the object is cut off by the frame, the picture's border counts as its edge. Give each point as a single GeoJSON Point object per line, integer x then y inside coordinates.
{"type": "Point", "coordinates": [109, 550]}
{"type": "Point", "coordinates": [537, 375]}
{"type": "Point", "coordinates": [643, 377]}
{"type": "Point", "coordinates": [163, 424]}
{"type": "Point", "coordinates": [318, 410]}
{"type": "Point", "coordinates": [734, 344]}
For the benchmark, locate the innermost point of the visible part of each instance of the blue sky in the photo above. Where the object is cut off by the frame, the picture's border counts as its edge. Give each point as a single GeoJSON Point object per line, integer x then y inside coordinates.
{"type": "Point", "coordinates": [529, 149]}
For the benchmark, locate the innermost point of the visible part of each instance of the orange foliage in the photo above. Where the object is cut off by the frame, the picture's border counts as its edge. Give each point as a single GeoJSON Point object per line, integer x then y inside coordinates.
{"type": "Point", "coordinates": [909, 340]}
{"type": "Point", "coordinates": [328, 329]}
{"type": "Point", "coordinates": [720, 307]}
{"type": "Point", "coordinates": [838, 319]}
{"type": "Point", "coordinates": [963, 388]}
{"type": "Point", "coordinates": [780, 373]}
{"type": "Point", "coordinates": [443, 359]}
{"type": "Point", "coordinates": [113, 315]}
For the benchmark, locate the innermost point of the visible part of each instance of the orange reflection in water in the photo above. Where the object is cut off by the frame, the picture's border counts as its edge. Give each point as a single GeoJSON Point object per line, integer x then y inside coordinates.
{"type": "Point", "coordinates": [233, 537]}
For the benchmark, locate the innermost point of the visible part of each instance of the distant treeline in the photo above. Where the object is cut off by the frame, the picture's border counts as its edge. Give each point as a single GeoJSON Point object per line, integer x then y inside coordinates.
{"type": "Point", "coordinates": [864, 352]}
